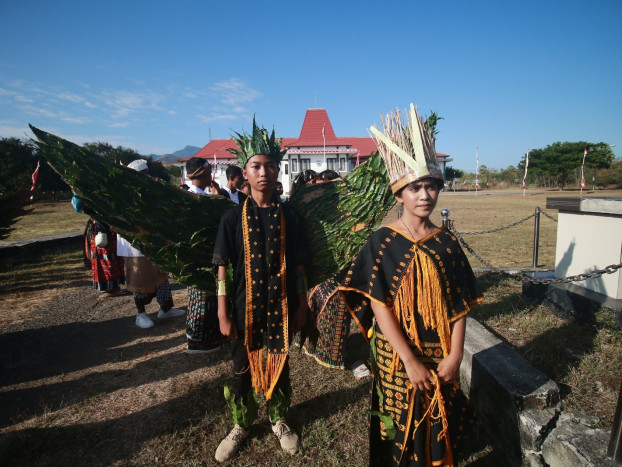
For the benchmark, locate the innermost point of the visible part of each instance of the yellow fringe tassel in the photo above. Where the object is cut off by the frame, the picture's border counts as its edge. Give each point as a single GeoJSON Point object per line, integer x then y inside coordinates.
{"type": "Point", "coordinates": [264, 379]}
{"type": "Point", "coordinates": [428, 295]}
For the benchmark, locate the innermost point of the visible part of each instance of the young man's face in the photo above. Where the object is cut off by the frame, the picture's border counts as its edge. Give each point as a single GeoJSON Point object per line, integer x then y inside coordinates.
{"type": "Point", "coordinates": [237, 181]}
{"type": "Point", "coordinates": [261, 172]}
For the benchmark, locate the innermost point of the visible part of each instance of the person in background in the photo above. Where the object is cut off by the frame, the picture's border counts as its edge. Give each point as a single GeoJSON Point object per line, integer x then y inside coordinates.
{"type": "Point", "coordinates": [202, 327]}
{"type": "Point", "coordinates": [414, 280]}
{"type": "Point", "coordinates": [264, 241]}
{"type": "Point", "coordinates": [100, 252]}
{"type": "Point", "coordinates": [143, 279]}
{"type": "Point", "coordinates": [278, 189]}
{"type": "Point", "coordinates": [246, 188]}
{"type": "Point", "coordinates": [235, 179]}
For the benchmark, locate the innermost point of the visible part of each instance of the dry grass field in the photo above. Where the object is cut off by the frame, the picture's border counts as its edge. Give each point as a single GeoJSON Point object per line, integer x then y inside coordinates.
{"type": "Point", "coordinates": [81, 385]}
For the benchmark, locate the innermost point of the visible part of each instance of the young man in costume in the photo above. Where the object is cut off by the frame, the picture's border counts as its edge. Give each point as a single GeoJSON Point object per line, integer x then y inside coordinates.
{"type": "Point", "coordinates": [143, 278]}
{"type": "Point", "coordinates": [264, 242]}
{"type": "Point", "coordinates": [202, 327]}
{"type": "Point", "coordinates": [411, 287]}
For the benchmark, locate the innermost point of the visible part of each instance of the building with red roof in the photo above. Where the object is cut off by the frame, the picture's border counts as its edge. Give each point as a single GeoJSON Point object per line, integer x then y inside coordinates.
{"type": "Point", "coordinates": [316, 148]}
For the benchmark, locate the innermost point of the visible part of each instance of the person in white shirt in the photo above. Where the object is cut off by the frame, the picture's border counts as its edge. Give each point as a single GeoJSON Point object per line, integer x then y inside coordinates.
{"type": "Point", "coordinates": [143, 279]}
{"type": "Point", "coordinates": [235, 179]}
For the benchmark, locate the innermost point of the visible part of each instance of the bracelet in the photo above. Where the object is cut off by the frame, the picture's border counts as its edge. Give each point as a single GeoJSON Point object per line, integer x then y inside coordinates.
{"type": "Point", "coordinates": [301, 282]}
{"type": "Point", "coordinates": [221, 287]}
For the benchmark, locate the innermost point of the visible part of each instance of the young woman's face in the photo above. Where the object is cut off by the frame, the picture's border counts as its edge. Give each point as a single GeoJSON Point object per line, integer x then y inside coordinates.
{"type": "Point", "coordinates": [419, 198]}
{"type": "Point", "coordinates": [261, 172]}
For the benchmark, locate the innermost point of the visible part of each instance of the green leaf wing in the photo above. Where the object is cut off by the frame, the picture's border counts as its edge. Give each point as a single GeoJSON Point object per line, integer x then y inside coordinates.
{"type": "Point", "coordinates": [175, 229]}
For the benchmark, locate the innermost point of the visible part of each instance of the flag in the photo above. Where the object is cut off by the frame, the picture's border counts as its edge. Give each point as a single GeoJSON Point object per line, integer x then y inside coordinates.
{"type": "Point", "coordinates": [476, 167]}
{"type": "Point", "coordinates": [526, 166]}
{"type": "Point", "coordinates": [35, 174]}
{"type": "Point", "coordinates": [358, 156]}
{"type": "Point", "coordinates": [583, 169]}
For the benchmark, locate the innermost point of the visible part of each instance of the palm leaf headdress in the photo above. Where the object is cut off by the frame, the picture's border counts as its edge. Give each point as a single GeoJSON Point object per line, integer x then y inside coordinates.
{"type": "Point", "coordinates": [407, 148]}
{"type": "Point", "coordinates": [257, 143]}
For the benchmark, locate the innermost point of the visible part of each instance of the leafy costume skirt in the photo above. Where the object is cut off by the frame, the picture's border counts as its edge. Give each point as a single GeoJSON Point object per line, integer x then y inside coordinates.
{"type": "Point", "coordinates": [427, 284]}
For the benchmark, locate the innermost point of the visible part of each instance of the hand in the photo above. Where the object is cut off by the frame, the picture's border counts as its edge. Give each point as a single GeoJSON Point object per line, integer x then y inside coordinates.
{"type": "Point", "coordinates": [227, 326]}
{"type": "Point", "coordinates": [300, 317]}
{"type": "Point", "coordinates": [449, 368]}
{"type": "Point", "coordinates": [419, 376]}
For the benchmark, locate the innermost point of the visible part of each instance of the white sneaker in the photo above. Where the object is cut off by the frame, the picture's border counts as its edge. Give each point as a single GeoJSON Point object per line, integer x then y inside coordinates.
{"type": "Point", "coordinates": [143, 321]}
{"type": "Point", "coordinates": [288, 437]}
{"type": "Point", "coordinates": [170, 313]}
{"type": "Point", "coordinates": [229, 446]}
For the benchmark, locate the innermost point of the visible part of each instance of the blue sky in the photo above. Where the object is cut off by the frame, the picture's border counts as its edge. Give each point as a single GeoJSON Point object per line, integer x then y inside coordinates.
{"type": "Point", "coordinates": [156, 76]}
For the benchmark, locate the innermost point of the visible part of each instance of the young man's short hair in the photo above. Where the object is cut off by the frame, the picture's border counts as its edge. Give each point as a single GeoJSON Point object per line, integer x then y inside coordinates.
{"type": "Point", "coordinates": [194, 163]}
{"type": "Point", "coordinates": [233, 171]}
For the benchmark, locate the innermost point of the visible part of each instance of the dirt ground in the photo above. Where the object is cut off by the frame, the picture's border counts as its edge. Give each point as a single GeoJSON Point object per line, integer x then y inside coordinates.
{"type": "Point", "coordinates": [81, 384]}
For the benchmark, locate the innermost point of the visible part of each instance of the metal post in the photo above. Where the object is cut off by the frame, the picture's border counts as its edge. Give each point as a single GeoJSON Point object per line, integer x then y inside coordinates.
{"type": "Point", "coordinates": [615, 442]}
{"type": "Point", "coordinates": [445, 215]}
{"type": "Point", "coordinates": [536, 236]}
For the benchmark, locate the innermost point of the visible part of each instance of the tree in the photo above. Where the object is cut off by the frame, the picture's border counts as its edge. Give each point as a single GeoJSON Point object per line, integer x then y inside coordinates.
{"type": "Point", "coordinates": [18, 160]}
{"type": "Point", "coordinates": [124, 156]}
{"type": "Point", "coordinates": [558, 160]}
{"type": "Point", "coordinates": [451, 173]}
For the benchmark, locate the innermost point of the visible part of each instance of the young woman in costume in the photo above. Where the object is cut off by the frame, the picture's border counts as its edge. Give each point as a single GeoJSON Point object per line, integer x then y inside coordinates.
{"type": "Point", "coordinates": [263, 240]}
{"type": "Point", "coordinates": [409, 289]}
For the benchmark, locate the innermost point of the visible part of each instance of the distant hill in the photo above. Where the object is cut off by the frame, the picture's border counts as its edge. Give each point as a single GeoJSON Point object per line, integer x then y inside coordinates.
{"type": "Point", "coordinates": [188, 151]}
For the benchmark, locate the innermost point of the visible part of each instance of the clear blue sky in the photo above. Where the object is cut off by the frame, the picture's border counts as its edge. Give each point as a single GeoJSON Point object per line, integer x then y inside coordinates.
{"type": "Point", "coordinates": [156, 76]}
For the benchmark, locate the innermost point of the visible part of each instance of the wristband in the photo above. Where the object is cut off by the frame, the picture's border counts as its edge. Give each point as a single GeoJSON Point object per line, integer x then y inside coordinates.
{"type": "Point", "coordinates": [221, 287]}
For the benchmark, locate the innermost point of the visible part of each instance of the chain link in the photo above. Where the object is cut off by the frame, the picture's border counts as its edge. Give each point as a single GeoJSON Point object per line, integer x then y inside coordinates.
{"type": "Point", "coordinates": [548, 215]}
{"type": "Point", "coordinates": [499, 229]}
{"type": "Point", "coordinates": [612, 268]}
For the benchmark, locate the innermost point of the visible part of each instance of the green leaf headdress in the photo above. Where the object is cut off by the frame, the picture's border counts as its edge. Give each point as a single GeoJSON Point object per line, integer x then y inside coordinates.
{"type": "Point", "coordinates": [257, 143]}
{"type": "Point", "coordinates": [407, 148]}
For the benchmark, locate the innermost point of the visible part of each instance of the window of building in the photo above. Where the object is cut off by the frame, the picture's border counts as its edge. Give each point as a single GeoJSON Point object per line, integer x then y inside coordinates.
{"type": "Point", "coordinates": [305, 164]}
{"type": "Point", "coordinates": [342, 165]}
{"type": "Point", "coordinates": [294, 165]}
{"type": "Point", "coordinates": [331, 164]}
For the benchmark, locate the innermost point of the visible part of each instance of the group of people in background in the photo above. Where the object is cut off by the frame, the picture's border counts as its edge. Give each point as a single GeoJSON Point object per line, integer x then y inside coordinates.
{"type": "Point", "coordinates": [409, 290]}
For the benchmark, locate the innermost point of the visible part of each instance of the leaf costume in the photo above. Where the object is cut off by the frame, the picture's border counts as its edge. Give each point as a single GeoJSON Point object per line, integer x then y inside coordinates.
{"type": "Point", "coordinates": [338, 216]}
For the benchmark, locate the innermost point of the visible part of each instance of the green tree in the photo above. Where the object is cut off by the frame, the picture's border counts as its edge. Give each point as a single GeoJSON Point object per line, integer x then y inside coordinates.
{"type": "Point", "coordinates": [451, 173]}
{"type": "Point", "coordinates": [559, 160]}
{"type": "Point", "coordinates": [18, 160]}
{"type": "Point", "coordinates": [122, 155]}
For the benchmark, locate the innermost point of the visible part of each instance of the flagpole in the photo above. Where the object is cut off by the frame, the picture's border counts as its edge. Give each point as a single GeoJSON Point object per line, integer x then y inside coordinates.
{"type": "Point", "coordinates": [525, 176]}
{"type": "Point", "coordinates": [583, 172]}
{"type": "Point", "coordinates": [476, 169]}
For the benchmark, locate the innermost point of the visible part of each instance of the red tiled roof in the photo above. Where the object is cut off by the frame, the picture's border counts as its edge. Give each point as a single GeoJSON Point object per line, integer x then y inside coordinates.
{"type": "Point", "coordinates": [315, 121]}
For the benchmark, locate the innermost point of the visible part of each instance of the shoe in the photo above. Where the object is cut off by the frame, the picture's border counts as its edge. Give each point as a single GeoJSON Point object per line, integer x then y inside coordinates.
{"type": "Point", "coordinates": [170, 313]}
{"type": "Point", "coordinates": [290, 442]}
{"type": "Point", "coordinates": [143, 321]}
{"type": "Point", "coordinates": [210, 349]}
{"type": "Point", "coordinates": [229, 446]}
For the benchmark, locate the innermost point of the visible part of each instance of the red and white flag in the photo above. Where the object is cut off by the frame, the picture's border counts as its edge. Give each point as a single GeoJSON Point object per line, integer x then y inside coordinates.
{"type": "Point", "coordinates": [583, 169]}
{"type": "Point", "coordinates": [35, 174]}
{"type": "Point", "coordinates": [358, 157]}
{"type": "Point", "coordinates": [476, 167]}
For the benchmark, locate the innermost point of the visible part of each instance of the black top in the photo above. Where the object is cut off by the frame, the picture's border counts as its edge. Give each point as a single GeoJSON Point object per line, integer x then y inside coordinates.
{"type": "Point", "coordinates": [229, 248]}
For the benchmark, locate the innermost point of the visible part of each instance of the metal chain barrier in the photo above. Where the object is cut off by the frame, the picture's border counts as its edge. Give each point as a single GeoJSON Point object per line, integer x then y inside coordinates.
{"type": "Point", "coordinates": [548, 215]}
{"type": "Point", "coordinates": [499, 229]}
{"type": "Point", "coordinates": [525, 278]}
